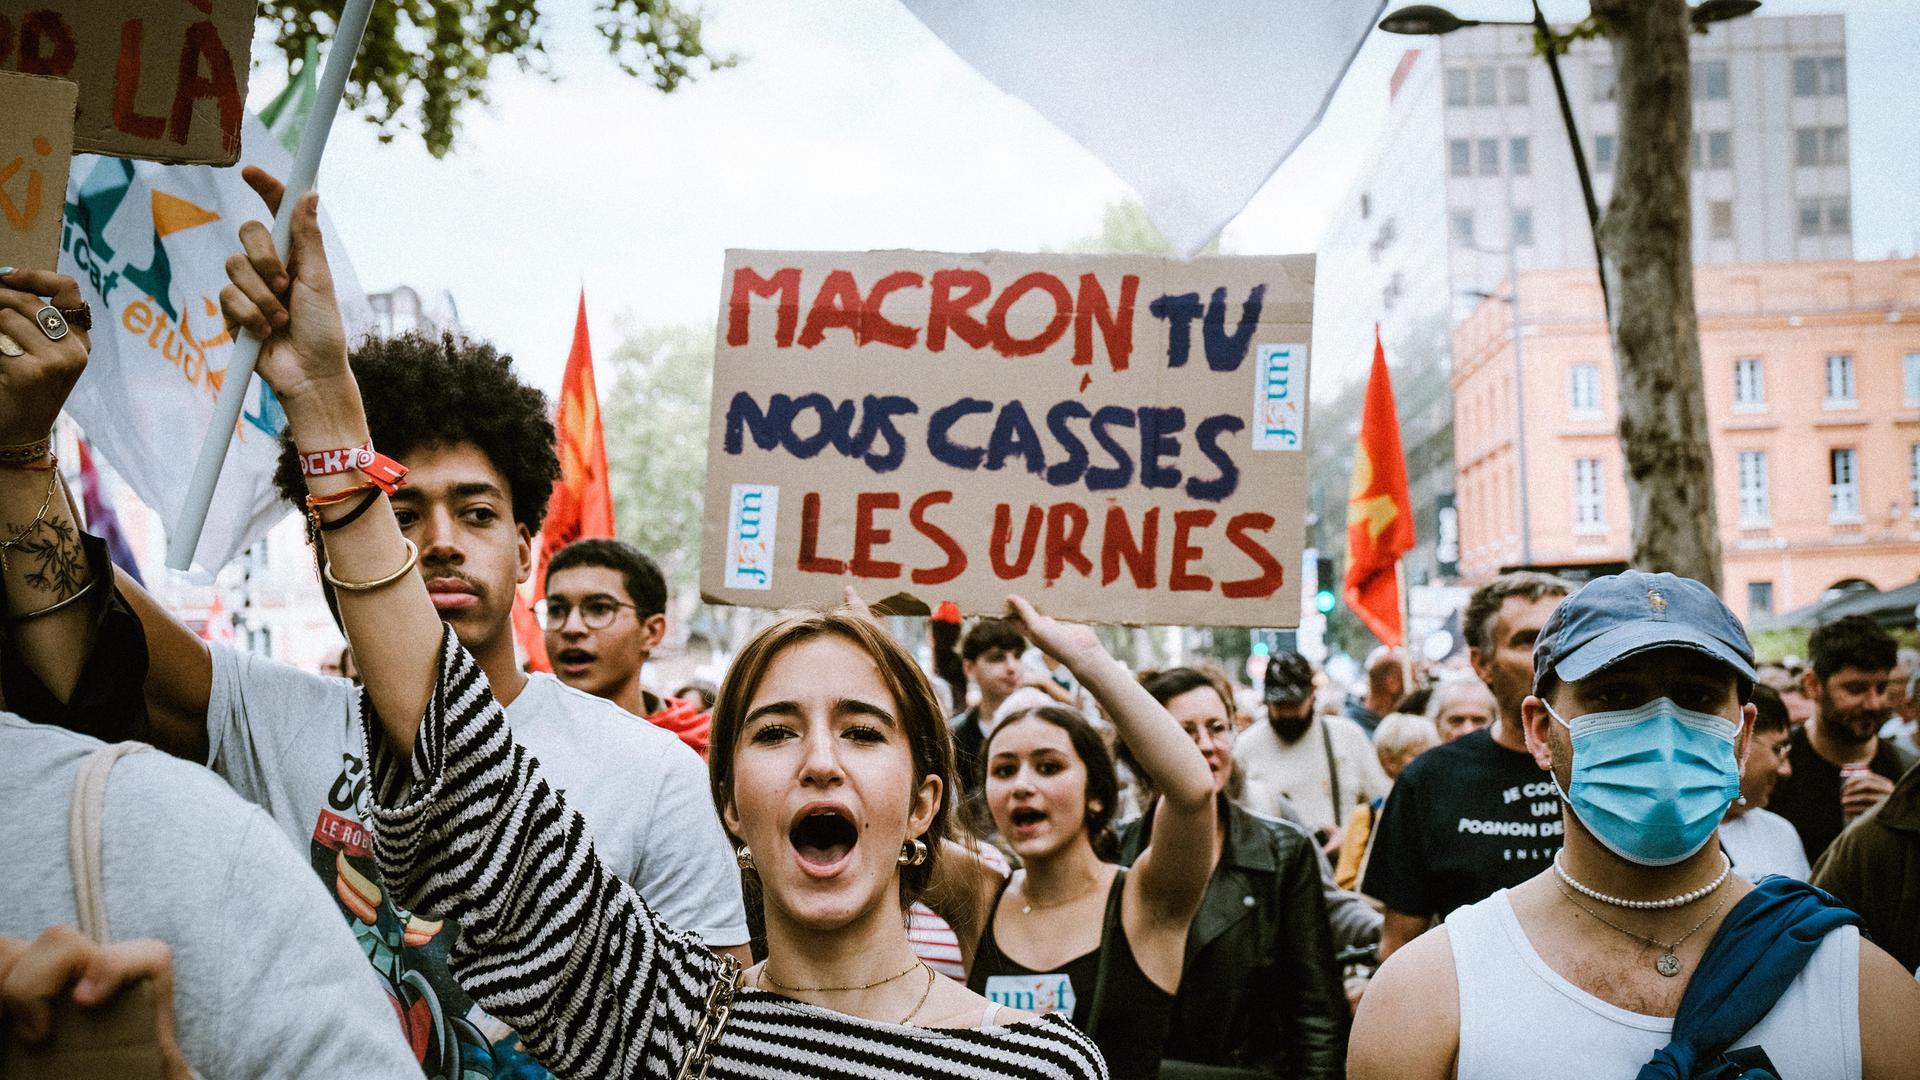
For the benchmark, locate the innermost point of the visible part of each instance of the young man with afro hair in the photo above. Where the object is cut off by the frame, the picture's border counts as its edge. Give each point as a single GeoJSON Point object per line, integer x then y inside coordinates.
{"type": "Point", "coordinates": [479, 449]}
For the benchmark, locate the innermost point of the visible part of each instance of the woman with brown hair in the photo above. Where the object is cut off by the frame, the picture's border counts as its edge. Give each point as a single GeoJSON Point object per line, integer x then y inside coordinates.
{"type": "Point", "coordinates": [830, 764]}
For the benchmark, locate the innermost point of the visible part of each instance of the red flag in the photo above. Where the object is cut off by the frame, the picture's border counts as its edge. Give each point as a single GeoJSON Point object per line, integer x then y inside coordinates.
{"type": "Point", "coordinates": [1379, 514]}
{"type": "Point", "coordinates": [581, 505]}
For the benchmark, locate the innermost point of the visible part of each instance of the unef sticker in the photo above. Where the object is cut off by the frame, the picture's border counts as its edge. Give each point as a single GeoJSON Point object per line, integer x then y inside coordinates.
{"type": "Point", "coordinates": [753, 512]}
{"type": "Point", "coordinates": [1279, 397]}
{"type": "Point", "coordinates": [1037, 993]}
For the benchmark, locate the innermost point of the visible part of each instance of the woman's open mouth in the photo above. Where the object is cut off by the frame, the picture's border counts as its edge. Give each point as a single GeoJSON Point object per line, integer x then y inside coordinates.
{"type": "Point", "coordinates": [824, 838]}
{"type": "Point", "coordinates": [1026, 820]}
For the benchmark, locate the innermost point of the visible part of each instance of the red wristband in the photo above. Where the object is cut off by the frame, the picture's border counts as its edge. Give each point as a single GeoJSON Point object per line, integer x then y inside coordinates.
{"type": "Point", "coordinates": [386, 473]}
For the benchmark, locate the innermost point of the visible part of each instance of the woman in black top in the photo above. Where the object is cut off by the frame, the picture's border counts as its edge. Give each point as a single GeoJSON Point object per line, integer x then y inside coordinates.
{"type": "Point", "coordinates": [1262, 995]}
{"type": "Point", "coordinates": [1071, 931]}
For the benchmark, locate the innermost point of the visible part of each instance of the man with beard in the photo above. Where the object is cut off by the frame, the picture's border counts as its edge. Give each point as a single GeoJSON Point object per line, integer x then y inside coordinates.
{"type": "Point", "coordinates": [605, 612]}
{"type": "Point", "coordinates": [1841, 766]}
{"type": "Point", "coordinates": [478, 453]}
{"type": "Point", "coordinates": [1323, 765]}
{"type": "Point", "coordinates": [1475, 814]}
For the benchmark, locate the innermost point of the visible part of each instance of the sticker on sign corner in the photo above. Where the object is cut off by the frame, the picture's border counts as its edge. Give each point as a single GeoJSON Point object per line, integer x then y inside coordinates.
{"type": "Point", "coordinates": [753, 513]}
{"type": "Point", "coordinates": [1279, 397]}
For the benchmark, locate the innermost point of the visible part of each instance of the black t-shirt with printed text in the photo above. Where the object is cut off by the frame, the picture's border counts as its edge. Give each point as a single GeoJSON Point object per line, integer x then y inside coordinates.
{"type": "Point", "coordinates": [1464, 820]}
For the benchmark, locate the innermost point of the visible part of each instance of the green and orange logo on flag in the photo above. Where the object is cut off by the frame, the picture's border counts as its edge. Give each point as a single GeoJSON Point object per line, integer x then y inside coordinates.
{"type": "Point", "coordinates": [1379, 513]}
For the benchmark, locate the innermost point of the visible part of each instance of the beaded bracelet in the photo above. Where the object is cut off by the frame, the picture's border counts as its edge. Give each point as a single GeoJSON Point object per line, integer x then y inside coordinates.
{"type": "Point", "coordinates": [24, 455]}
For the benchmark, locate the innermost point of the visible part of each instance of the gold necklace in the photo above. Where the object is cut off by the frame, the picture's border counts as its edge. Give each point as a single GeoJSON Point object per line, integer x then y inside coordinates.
{"type": "Point", "coordinates": [766, 974]}
{"type": "Point", "coordinates": [924, 995]}
{"type": "Point", "coordinates": [1666, 963]}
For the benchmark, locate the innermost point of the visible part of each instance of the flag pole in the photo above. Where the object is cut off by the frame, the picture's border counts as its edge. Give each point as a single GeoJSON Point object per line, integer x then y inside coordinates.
{"type": "Point", "coordinates": [184, 538]}
{"type": "Point", "coordinates": [1406, 624]}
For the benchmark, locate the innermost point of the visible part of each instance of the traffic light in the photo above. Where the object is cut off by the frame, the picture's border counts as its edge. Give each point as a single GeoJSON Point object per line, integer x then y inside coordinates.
{"type": "Point", "coordinates": [1323, 597]}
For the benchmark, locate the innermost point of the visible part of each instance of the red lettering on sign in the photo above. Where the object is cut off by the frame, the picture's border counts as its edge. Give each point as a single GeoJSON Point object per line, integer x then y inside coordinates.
{"type": "Point", "coordinates": [877, 327]}
{"type": "Point", "coordinates": [46, 45]}
{"type": "Point", "coordinates": [1118, 545]}
{"type": "Point", "coordinates": [783, 287]}
{"type": "Point", "coordinates": [1004, 342]}
{"type": "Point", "coordinates": [1066, 528]}
{"type": "Point", "coordinates": [126, 86]}
{"type": "Point", "coordinates": [810, 561]}
{"type": "Point", "coordinates": [1271, 576]}
{"type": "Point", "coordinates": [948, 311]}
{"type": "Point", "coordinates": [1003, 533]}
{"type": "Point", "coordinates": [204, 47]}
{"type": "Point", "coordinates": [836, 305]}
{"type": "Point", "coordinates": [956, 563]}
{"type": "Point", "coordinates": [1180, 579]}
{"type": "Point", "coordinates": [867, 535]}
{"type": "Point", "coordinates": [1116, 326]}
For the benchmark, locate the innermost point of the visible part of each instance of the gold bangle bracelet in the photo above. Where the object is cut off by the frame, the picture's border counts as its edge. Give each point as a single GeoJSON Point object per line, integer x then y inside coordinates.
{"type": "Point", "coordinates": [413, 559]}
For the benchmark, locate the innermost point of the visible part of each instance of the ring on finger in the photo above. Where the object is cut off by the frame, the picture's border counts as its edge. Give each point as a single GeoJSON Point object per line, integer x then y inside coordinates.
{"type": "Point", "coordinates": [10, 347]}
{"type": "Point", "coordinates": [80, 316]}
{"type": "Point", "coordinates": [52, 323]}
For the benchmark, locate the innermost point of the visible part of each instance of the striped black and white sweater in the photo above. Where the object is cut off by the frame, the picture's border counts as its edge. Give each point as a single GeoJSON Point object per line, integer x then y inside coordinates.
{"type": "Point", "coordinates": [568, 954]}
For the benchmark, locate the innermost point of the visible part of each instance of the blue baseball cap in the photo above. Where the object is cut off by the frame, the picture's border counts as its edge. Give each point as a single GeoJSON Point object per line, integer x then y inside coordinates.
{"type": "Point", "coordinates": [1612, 618]}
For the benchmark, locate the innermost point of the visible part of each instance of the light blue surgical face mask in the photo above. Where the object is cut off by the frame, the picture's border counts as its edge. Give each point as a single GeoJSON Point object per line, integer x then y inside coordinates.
{"type": "Point", "coordinates": [1652, 783]}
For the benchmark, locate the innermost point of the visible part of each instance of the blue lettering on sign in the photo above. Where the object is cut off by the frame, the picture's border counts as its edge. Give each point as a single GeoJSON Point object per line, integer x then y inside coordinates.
{"type": "Point", "coordinates": [1225, 351]}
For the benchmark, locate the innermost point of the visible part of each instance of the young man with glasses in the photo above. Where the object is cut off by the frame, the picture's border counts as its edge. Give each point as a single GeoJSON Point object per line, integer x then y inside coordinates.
{"type": "Point", "coordinates": [605, 612]}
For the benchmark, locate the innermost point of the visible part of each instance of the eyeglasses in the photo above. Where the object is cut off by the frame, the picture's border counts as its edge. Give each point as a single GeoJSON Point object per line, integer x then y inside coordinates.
{"type": "Point", "coordinates": [597, 612]}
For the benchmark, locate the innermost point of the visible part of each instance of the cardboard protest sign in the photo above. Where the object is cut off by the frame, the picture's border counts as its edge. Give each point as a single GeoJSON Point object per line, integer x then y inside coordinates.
{"type": "Point", "coordinates": [159, 80]}
{"type": "Point", "coordinates": [36, 146]}
{"type": "Point", "coordinates": [1119, 439]}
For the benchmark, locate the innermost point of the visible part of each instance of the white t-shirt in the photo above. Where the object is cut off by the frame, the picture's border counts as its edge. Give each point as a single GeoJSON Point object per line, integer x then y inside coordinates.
{"type": "Point", "coordinates": [1761, 842]}
{"type": "Point", "coordinates": [292, 742]}
{"type": "Point", "coordinates": [1298, 771]}
{"type": "Point", "coordinates": [266, 982]}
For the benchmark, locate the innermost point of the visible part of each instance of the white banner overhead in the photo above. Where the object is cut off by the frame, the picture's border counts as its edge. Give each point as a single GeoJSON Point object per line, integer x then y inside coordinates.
{"type": "Point", "coordinates": [1193, 105]}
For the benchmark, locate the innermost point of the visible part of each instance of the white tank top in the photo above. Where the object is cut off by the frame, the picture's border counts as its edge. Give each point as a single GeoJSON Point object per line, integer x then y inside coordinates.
{"type": "Point", "coordinates": [1520, 1020]}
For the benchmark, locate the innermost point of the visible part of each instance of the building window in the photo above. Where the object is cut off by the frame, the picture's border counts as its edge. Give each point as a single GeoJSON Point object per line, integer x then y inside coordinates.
{"type": "Point", "coordinates": [1719, 150]}
{"type": "Point", "coordinates": [1366, 206]}
{"type": "Point", "coordinates": [1843, 486]}
{"type": "Point", "coordinates": [1517, 85]}
{"type": "Point", "coordinates": [1458, 88]}
{"type": "Point", "coordinates": [1520, 156]}
{"type": "Point", "coordinates": [1749, 384]}
{"type": "Point", "coordinates": [1720, 219]}
{"type": "Point", "coordinates": [1463, 226]}
{"type": "Point", "coordinates": [1759, 599]}
{"type": "Point", "coordinates": [1913, 481]}
{"type": "Point", "coordinates": [1489, 157]}
{"type": "Point", "coordinates": [1522, 228]}
{"type": "Point", "coordinates": [1820, 146]}
{"type": "Point", "coordinates": [1583, 390]}
{"type": "Point", "coordinates": [1840, 382]}
{"type": "Point", "coordinates": [1839, 216]}
{"type": "Point", "coordinates": [1603, 153]}
{"type": "Point", "coordinates": [1483, 86]}
{"type": "Point", "coordinates": [1589, 494]}
{"type": "Point", "coordinates": [1755, 510]}
{"type": "Point", "coordinates": [1815, 76]}
{"type": "Point", "coordinates": [1459, 157]}
{"type": "Point", "coordinates": [1825, 217]}
{"type": "Point", "coordinates": [1710, 80]}
{"type": "Point", "coordinates": [1912, 374]}
{"type": "Point", "coordinates": [1603, 80]}
{"type": "Point", "coordinates": [1833, 145]}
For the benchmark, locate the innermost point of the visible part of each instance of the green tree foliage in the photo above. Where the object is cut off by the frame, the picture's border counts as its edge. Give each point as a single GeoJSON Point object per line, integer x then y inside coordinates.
{"type": "Point", "coordinates": [423, 61]}
{"type": "Point", "coordinates": [655, 416]}
{"type": "Point", "coordinates": [1125, 229]}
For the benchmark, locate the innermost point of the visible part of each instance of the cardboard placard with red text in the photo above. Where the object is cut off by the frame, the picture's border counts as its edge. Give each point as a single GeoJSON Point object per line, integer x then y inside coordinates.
{"type": "Point", "coordinates": [1120, 439]}
{"type": "Point", "coordinates": [159, 79]}
{"type": "Point", "coordinates": [36, 147]}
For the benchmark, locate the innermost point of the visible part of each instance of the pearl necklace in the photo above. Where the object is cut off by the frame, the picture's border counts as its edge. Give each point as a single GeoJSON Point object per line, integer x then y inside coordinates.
{"type": "Point", "coordinates": [1647, 905]}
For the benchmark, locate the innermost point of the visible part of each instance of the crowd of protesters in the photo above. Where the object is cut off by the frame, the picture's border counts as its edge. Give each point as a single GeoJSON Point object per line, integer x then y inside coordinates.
{"type": "Point", "coordinates": [1608, 830]}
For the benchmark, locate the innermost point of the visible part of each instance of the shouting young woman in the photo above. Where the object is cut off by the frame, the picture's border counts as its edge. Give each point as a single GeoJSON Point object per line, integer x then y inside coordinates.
{"type": "Point", "coordinates": [830, 763]}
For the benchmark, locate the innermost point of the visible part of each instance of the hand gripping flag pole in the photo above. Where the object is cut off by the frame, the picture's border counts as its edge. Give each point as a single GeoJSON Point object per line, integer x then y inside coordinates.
{"type": "Point", "coordinates": [185, 537]}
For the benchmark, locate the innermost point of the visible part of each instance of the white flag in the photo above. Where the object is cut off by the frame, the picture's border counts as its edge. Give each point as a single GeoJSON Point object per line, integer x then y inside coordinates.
{"type": "Point", "coordinates": [1194, 105]}
{"type": "Point", "coordinates": [148, 244]}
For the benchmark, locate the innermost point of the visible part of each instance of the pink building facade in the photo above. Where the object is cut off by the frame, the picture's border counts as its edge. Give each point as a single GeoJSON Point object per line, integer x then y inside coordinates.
{"type": "Point", "coordinates": [1812, 373]}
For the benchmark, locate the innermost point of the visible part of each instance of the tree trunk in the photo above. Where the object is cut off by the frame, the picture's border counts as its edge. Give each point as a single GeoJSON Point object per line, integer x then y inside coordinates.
{"type": "Point", "coordinates": [1646, 237]}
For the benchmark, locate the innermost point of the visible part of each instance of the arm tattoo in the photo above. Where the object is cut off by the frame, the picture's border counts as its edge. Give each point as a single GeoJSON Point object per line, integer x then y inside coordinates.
{"type": "Point", "coordinates": [59, 562]}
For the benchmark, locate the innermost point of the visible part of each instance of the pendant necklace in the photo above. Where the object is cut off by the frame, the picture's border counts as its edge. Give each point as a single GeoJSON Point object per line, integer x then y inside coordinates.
{"type": "Point", "coordinates": [1666, 963]}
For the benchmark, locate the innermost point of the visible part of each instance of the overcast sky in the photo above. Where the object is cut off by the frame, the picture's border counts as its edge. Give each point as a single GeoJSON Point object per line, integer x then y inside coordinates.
{"type": "Point", "coordinates": [849, 126]}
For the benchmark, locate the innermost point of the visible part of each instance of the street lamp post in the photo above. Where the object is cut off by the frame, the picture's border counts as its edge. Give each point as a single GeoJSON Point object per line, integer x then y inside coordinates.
{"type": "Point", "coordinates": [1433, 20]}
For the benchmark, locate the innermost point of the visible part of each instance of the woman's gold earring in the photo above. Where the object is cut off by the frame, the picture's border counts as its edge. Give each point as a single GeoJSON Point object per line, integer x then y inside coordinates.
{"type": "Point", "coordinates": [913, 852]}
{"type": "Point", "coordinates": [744, 856]}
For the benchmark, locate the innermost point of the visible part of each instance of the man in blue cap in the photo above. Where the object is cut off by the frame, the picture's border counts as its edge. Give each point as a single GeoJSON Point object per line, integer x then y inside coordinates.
{"type": "Point", "coordinates": [1638, 952]}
